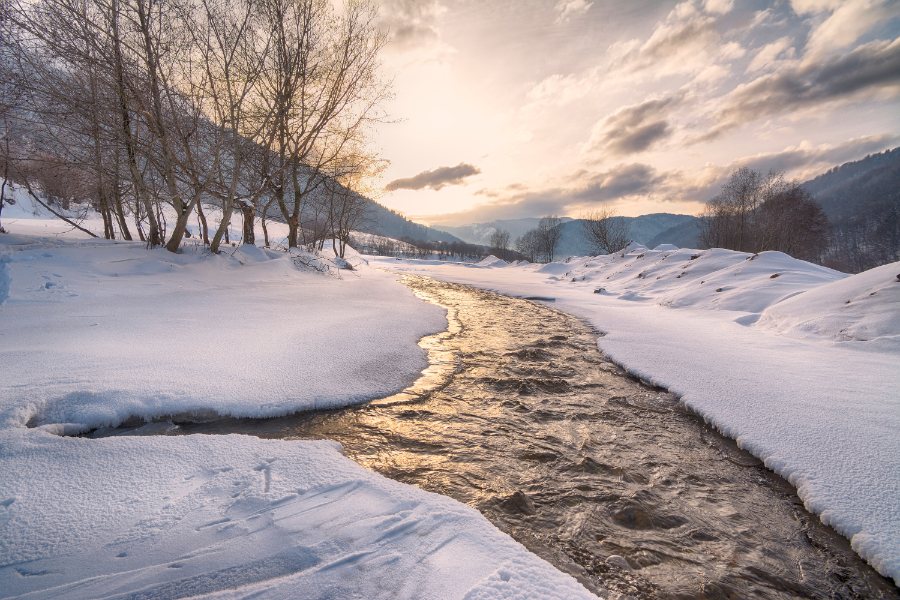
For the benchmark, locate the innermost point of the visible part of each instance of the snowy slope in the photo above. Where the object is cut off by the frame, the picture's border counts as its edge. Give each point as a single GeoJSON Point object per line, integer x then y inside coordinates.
{"type": "Point", "coordinates": [236, 516]}
{"type": "Point", "coordinates": [865, 307]}
{"type": "Point", "coordinates": [95, 332]}
{"type": "Point", "coordinates": [754, 344]}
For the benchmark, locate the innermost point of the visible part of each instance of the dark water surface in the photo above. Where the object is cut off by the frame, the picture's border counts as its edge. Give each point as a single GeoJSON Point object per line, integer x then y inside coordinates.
{"type": "Point", "coordinates": [612, 481]}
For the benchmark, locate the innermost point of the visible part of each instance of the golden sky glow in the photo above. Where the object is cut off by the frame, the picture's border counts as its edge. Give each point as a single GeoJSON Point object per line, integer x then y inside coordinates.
{"type": "Point", "coordinates": [519, 108]}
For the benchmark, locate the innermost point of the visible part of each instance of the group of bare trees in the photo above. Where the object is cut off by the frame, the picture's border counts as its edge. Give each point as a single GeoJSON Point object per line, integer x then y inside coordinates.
{"type": "Point", "coordinates": [540, 244]}
{"type": "Point", "coordinates": [756, 212]}
{"type": "Point", "coordinates": [153, 111]}
{"type": "Point", "coordinates": [606, 231]}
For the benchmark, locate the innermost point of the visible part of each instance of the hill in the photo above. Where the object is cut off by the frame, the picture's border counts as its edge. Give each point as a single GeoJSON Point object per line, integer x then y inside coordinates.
{"type": "Point", "coordinates": [862, 201]}
{"type": "Point", "coordinates": [380, 220]}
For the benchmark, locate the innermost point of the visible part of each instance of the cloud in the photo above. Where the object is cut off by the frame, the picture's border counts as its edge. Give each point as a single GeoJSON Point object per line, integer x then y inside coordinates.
{"type": "Point", "coordinates": [805, 7]}
{"type": "Point", "coordinates": [720, 7]}
{"type": "Point", "coordinates": [634, 181]}
{"type": "Point", "coordinates": [768, 54]}
{"type": "Point", "coordinates": [567, 9]}
{"type": "Point", "coordinates": [687, 41]}
{"type": "Point", "coordinates": [806, 160]}
{"type": "Point", "coordinates": [623, 181]}
{"type": "Point", "coordinates": [803, 161]}
{"type": "Point", "coordinates": [681, 41]}
{"type": "Point", "coordinates": [434, 179]}
{"type": "Point", "coordinates": [635, 128]}
{"type": "Point", "coordinates": [411, 23]}
{"type": "Point", "coordinates": [848, 22]}
{"type": "Point", "coordinates": [870, 68]}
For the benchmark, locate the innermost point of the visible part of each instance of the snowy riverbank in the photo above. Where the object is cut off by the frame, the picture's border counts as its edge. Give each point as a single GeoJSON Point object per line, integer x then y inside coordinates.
{"type": "Point", "coordinates": [796, 362]}
{"type": "Point", "coordinates": [94, 332]}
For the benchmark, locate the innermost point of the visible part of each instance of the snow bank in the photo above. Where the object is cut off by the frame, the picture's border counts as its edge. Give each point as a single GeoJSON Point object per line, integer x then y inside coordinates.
{"type": "Point", "coordinates": [95, 332]}
{"type": "Point", "coordinates": [766, 349]}
{"type": "Point", "coordinates": [492, 261]}
{"type": "Point", "coordinates": [862, 308]}
{"type": "Point", "coordinates": [238, 516]}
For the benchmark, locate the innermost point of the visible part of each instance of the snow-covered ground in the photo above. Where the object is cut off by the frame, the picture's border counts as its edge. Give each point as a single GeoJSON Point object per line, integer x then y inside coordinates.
{"type": "Point", "coordinates": [95, 332]}
{"type": "Point", "coordinates": [799, 363]}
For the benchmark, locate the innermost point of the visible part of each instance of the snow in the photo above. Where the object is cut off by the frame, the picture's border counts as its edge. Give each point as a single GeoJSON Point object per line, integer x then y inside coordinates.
{"type": "Point", "coordinates": [237, 516]}
{"type": "Point", "coordinates": [93, 333]}
{"type": "Point", "coordinates": [244, 335]}
{"type": "Point", "coordinates": [861, 308]}
{"type": "Point", "coordinates": [492, 261]}
{"type": "Point", "coordinates": [765, 348]}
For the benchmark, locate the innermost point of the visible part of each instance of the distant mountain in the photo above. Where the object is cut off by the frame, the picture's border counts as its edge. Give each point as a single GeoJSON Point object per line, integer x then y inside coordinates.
{"type": "Point", "coordinates": [480, 233]}
{"type": "Point", "coordinates": [861, 199]}
{"type": "Point", "coordinates": [683, 235]}
{"type": "Point", "coordinates": [383, 221]}
{"type": "Point", "coordinates": [647, 229]}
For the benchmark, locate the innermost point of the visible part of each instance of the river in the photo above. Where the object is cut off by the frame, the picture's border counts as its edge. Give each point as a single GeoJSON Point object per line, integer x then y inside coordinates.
{"type": "Point", "coordinates": [613, 481]}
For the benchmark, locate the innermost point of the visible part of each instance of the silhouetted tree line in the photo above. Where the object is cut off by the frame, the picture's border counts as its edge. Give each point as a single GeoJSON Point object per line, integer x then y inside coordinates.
{"type": "Point", "coordinates": [862, 200]}
{"type": "Point", "coordinates": [865, 241]}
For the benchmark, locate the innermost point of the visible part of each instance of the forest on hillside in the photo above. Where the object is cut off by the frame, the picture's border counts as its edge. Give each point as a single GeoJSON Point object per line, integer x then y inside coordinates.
{"type": "Point", "coordinates": [154, 112]}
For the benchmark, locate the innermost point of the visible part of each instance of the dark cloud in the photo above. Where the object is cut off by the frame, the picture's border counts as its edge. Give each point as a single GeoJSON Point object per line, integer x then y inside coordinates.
{"type": "Point", "coordinates": [874, 66]}
{"type": "Point", "coordinates": [434, 179]}
{"type": "Point", "coordinates": [619, 182]}
{"type": "Point", "coordinates": [636, 128]}
{"type": "Point", "coordinates": [800, 158]}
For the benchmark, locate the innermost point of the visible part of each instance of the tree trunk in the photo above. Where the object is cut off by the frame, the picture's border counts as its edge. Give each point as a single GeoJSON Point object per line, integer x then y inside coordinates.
{"type": "Point", "coordinates": [180, 225]}
{"type": "Point", "coordinates": [222, 229]}
{"type": "Point", "coordinates": [249, 214]}
{"type": "Point", "coordinates": [204, 227]}
{"type": "Point", "coordinates": [140, 193]}
{"type": "Point", "coordinates": [120, 213]}
{"type": "Point", "coordinates": [293, 230]}
{"type": "Point", "coordinates": [265, 229]}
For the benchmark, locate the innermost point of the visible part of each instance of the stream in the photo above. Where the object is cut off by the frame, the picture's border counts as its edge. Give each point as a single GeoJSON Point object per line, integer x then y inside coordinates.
{"type": "Point", "coordinates": [614, 482]}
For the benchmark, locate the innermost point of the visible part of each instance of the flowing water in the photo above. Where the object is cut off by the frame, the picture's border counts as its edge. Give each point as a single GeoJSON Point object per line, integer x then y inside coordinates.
{"type": "Point", "coordinates": [520, 416]}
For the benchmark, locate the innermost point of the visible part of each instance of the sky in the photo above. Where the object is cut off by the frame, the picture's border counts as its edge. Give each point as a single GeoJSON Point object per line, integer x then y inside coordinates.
{"type": "Point", "coordinates": [524, 108]}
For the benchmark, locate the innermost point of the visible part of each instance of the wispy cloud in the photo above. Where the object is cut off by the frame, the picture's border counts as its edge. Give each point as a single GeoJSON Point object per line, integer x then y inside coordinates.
{"type": "Point", "coordinates": [567, 9]}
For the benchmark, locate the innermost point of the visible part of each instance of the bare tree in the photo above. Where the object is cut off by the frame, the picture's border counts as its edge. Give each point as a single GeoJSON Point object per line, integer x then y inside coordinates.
{"type": "Point", "coordinates": [549, 234]}
{"type": "Point", "coordinates": [161, 106]}
{"type": "Point", "coordinates": [529, 245]}
{"type": "Point", "coordinates": [605, 230]}
{"type": "Point", "coordinates": [756, 212]}
{"type": "Point", "coordinates": [323, 90]}
{"type": "Point", "coordinates": [500, 242]}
